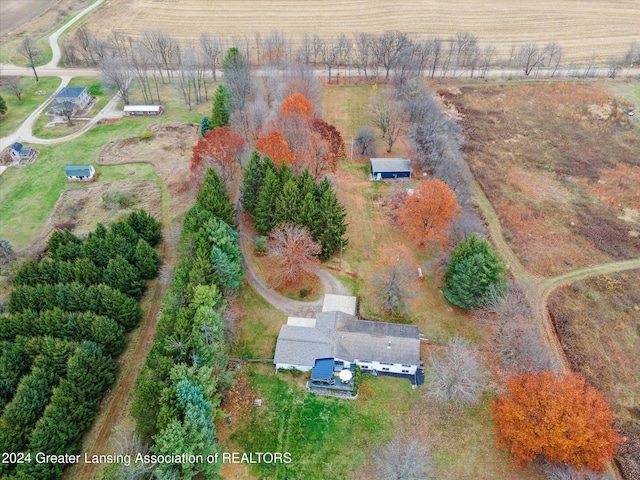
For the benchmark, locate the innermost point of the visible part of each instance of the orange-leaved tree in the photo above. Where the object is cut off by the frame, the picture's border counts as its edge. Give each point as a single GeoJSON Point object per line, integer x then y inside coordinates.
{"type": "Point", "coordinates": [428, 212]}
{"type": "Point", "coordinates": [562, 418]}
{"type": "Point", "coordinates": [275, 147]}
{"type": "Point", "coordinates": [219, 148]}
{"type": "Point", "coordinates": [295, 251]}
{"type": "Point", "coordinates": [297, 104]}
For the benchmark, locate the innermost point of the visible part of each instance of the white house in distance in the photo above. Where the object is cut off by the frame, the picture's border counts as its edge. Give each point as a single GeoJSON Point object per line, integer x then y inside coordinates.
{"type": "Point", "coordinates": [79, 172]}
{"type": "Point", "coordinates": [78, 96]}
{"type": "Point", "coordinates": [146, 110]}
{"type": "Point", "coordinates": [378, 348]}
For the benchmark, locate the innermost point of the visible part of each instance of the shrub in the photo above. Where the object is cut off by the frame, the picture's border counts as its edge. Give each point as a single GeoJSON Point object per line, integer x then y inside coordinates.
{"type": "Point", "coordinates": [118, 199]}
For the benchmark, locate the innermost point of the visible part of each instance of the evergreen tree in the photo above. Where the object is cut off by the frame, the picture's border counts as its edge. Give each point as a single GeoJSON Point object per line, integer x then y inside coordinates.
{"type": "Point", "coordinates": [226, 256]}
{"type": "Point", "coordinates": [124, 277]}
{"type": "Point", "coordinates": [308, 214]}
{"type": "Point", "coordinates": [205, 125]}
{"type": "Point", "coordinates": [264, 219]}
{"type": "Point", "coordinates": [213, 197]}
{"type": "Point", "coordinates": [3, 110]}
{"type": "Point", "coordinates": [221, 108]}
{"type": "Point", "coordinates": [252, 182]}
{"type": "Point", "coordinates": [306, 183]}
{"type": "Point", "coordinates": [196, 218]}
{"type": "Point", "coordinates": [59, 239]}
{"type": "Point", "coordinates": [87, 272]}
{"type": "Point", "coordinates": [146, 260]}
{"type": "Point", "coordinates": [287, 206]}
{"type": "Point", "coordinates": [473, 269]}
{"type": "Point", "coordinates": [331, 226]}
{"type": "Point", "coordinates": [145, 226]}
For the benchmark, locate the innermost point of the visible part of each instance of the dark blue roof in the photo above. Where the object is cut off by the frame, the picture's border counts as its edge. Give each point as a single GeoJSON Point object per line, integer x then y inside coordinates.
{"type": "Point", "coordinates": [17, 147]}
{"type": "Point", "coordinates": [323, 369]}
{"type": "Point", "coordinates": [71, 92]}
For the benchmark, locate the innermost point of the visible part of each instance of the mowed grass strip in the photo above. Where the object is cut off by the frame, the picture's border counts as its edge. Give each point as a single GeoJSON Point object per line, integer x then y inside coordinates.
{"type": "Point", "coordinates": [17, 111]}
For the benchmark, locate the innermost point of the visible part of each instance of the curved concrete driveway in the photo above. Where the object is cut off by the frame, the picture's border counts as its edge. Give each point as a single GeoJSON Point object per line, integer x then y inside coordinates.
{"type": "Point", "coordinates": [290, 307]}
{"type": "Point", "coordinates": [53, 39]}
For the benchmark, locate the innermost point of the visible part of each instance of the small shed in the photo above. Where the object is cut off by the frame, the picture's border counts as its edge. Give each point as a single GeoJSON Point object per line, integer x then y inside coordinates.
{"type": "Point", "coordinates": [18, 152]}
{"type": "Point", "coordinates": [145, 110]}
{"type": "Point", "coordinates": [390, 168]}
{"type": "Point", "coordinates": [79, 172]}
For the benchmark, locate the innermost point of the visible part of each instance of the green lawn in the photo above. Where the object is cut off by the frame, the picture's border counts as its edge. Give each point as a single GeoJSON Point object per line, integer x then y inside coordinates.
{"type": "Point", "coordinates": [346, 107]}
{"type": "Point", "coordinates": [28, 194]}
{"type": "Point", "coordinates": [260, 325]}
{"type": "Point", "coordinates": [326, 437]}
{"type": "Point", "coordinates": [19, 111]}
{"type": "Point", "coordinates": [9, 52]}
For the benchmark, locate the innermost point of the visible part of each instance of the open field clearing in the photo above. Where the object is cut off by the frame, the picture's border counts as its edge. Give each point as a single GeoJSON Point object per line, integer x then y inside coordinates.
{"type": "Point", "coordinates": [28, 194]}
{"type": "Point", "coordinates": [14, 13]}
{"type": "Point", "coordinates": [582, 28]}
{"type": "Point", "coordinates": [598, 321]}
{"type": "Point", "coordinates": [561, 165]}
{"type": "Point", "coordinates": [19, 111]}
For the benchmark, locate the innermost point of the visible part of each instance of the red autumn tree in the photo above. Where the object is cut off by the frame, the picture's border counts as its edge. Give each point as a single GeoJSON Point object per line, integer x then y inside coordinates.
{"type": "Point", "coordinates": [295, 251]}
{"type": "Point", "coordinates": [565, 419]}
{"type": "Point", "coordinates": [427, 213]}
{"type": "Point", "coordinates": [219, 149]}
{"type": "Point", "coordinates": [275, 147]}
{"type": "Point", "coordinates": [297, 104]}
{"type": "Point", "coordinates": [335, 145]}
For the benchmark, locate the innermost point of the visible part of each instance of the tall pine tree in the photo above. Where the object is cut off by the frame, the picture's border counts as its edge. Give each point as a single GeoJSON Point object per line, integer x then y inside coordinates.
{"type": "Point", "coordinates": [221, 108]}
{"type": "Point", "coordinates": [331, 226]}
{"type": "Point", "coordinates": [252, 182]}
{"type": "Point", "coordinates": [213, 197]}
{"type": "Point", "coordinates": [287, 203]}
{"type": "Point", "coordinates": [264, 215]}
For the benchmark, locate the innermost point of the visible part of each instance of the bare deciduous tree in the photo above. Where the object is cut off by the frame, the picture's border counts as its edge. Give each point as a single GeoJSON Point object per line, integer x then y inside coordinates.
{"type": "Point", "coordinates": [31, 52]}
{"type": "Point", "coordinates": [395, 278]}
{"type": "Point", "coordinates": [553, 53]}
{"type": "Point", "coordinates": [116, 74]}
{"type": "Point", "coordinates": [386, 114]}
{"type": "Point", "coordinates": [516, 338]}
{"type": "Point", "coordinates": [162, 49]}
{"type": "Point", "coordinates": [386, 49]}
{"type": "Point", "coordinates": [15, 87]}
{"type": "Point", "coordinates": [457, 375]}
{"type": "Point", "coordinates": [362, 52]}
{"type": "Point", "coordinates": [295, 251]}
{"type": "Point", "coordinates": [366, 141]}
{"type": "Point", "coordinates": [130, 444]}
{"type": "Point", "coordinates": [212, 47]}
{"type": "Point", "coordinates": [66, 110]}
{"type": "Point", "coordinates": [561, 471]}
{"type": "Point", "coordinates": [530, 57]}
{"type": "Point", "coordinates": [404, 458]}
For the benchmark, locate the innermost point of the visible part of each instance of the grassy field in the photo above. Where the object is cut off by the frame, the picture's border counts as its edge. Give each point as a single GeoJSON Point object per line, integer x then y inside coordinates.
{"type": "Point", "coordinates": [561, 165]}
{"type": "Point", "coordinates": [326, 437]}
{"type": "Point", "coordinates": [598, 321]}
{"type": "Point", "coordinates": [28, 194]}
{"type": "Point", "coordinates": [582, 28]}
{"type": "Point", "coordinates": [18, 111]}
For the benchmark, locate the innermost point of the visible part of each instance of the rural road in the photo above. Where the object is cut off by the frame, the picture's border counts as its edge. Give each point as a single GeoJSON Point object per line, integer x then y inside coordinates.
{"type": "Point", "coordinates": [53, 39]}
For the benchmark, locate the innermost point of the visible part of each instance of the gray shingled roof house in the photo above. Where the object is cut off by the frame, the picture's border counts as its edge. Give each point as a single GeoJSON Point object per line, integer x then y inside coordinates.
{"type": "Point", "coordinates": [78, 96]}
{"type": "Point", "coordinates": [390, 168]}
{"type": "Point", "coordinates": [374, 346]}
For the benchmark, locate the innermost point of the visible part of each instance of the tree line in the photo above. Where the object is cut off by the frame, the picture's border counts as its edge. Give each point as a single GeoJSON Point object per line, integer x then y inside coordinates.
{"type": "Point", "coordinates": [376, 56]}
{"type": "Point", "coordinates": [177, 394]}
{"type": "Point", "coordinates": [67, 318]}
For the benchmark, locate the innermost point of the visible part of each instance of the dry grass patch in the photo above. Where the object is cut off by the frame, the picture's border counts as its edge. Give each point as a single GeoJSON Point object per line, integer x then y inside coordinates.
{"type": "Point", "coordinates": [559, 163]}
{"type": "Point", "coordinates": [582, 28]}
{"type": "Point", "coordinates": [169, 150]}
{"type": "Point", "coordinates": [598, 322]}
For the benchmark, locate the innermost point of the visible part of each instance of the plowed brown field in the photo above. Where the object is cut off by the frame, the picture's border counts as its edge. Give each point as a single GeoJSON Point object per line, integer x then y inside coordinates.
{"type": "Point", "coordinates": [583, 28]}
